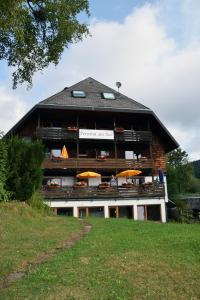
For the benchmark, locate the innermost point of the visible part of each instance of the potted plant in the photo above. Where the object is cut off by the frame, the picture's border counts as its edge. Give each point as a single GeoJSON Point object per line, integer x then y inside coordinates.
{"type": "Point", "coordinates": [101, 157]}
{"type": "Point", "coordinates": [119, 129]}
{"type": "Point", "coordinates": [104, 185]}
{"type": "Point", "coordinates": [72, 128]}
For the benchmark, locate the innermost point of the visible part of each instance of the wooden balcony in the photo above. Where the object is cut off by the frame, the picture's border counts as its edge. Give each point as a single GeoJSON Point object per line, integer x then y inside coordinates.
{"type": "Point", "coordinates": [55, 133]}
{"type": "Point", "coordinates": [93, 163]}
{"type": "Point", "coordinates": [134, 136]}
{"type": "Point", "coordinates": [59, 133]}
{"type": "Point", "coordinates": [140, 191]}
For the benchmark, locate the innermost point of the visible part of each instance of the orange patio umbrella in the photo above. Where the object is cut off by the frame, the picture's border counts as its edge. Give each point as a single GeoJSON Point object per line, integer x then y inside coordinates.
{"type": "Point", "coordinates": [88, 174]}
{"type": "Point", "coordinates": [128, 173]}
{"type": "Point", "coordinates": [64, 152]}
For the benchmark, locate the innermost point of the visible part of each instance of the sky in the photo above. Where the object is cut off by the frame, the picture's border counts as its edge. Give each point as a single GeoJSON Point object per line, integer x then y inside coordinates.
{"type": "Point", "coordinates": [151, 47]}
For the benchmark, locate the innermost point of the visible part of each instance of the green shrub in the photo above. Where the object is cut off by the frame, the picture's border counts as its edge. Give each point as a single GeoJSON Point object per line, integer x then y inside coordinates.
{"type": "Point", "coordinates": [4, 195]}
{"type": "Point", "coordinates": [37, 202]}
{"type": "Point", "coordinates": [24, 168]}
{"type": "Point", "coordinates": [194, 186]}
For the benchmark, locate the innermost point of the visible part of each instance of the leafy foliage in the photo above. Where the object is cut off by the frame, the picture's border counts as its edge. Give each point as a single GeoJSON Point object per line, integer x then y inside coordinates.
{"type": "Point", "coordinates": [25, 174]}
{"type": "Point", "coordinates": [37, 202]}
{"type": "Point", "coordinates": [196, 168]}
{"type": "Point", "coordinates": [3, 168]}
{"type": "Point", "coordinates": [179, 172]}
{"type": "Point", "coordinates": [177, 158]}
{"type": "Point", "coordinates": [34, 33]}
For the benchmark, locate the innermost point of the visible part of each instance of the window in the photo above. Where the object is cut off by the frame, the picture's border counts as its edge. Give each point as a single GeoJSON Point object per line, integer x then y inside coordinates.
{"type": "Point", "coordinates": [78, 94]}
{"type": "Point", "coordinates": [129, 154]}
{"type": "Point", "coordinates": [56, 152]}
{"type": "Point", "coordinates": [104, 153]}
{"type": "Point", "coordinates": [108, 96]}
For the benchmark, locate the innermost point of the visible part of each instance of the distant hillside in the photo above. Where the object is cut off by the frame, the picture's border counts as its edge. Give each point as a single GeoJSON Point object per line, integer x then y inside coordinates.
{"type": "Point", "coordinates": [196, 167]}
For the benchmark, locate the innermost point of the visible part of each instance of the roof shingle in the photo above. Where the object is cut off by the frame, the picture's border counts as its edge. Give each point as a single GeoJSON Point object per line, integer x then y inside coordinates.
{"type": "Point", "coordinates": [93, 90]}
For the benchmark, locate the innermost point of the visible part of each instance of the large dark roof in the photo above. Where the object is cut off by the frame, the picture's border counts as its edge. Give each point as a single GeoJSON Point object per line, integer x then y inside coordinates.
{"type": "Point", "coordinates": [93, 90]}
{"type": "Point", "coordinates": [95, 102]}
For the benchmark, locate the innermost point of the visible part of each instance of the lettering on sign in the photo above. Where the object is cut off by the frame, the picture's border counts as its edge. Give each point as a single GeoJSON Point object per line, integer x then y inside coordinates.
{"type": "Point", "coordinates": [96, 134]}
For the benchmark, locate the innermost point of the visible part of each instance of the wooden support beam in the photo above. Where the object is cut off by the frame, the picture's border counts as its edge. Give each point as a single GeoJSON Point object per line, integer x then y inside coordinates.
{"type": "Point", "coordinates": [38, 125]}
{"type": "Point", "coordinates": [145, 212]}
{"type": "Point", "coordinates": [87, 212]}
{"type": "Point", "coordinates": [117, 212]}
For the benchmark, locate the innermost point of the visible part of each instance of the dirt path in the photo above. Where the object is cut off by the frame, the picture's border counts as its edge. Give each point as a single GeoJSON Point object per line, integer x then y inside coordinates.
{"type": "Point", "coordinates": [44, 257]}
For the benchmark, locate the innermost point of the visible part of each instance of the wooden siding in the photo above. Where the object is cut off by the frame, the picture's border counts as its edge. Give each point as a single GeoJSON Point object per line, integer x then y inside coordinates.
{"type": "Point", "coordinates": [158, 155]}
{"type": "Point", "coordinates": [93, 163]}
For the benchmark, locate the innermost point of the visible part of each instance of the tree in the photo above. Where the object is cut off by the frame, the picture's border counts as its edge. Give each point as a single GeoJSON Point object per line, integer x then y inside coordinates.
{"type": "Point", "coordinates": [34, 33]}
{"type": "Point", "coordinates": [177, 158]}
{"type": "Point", "coordinates": [3, 168]}
{"type": "Point", "coordinates": [179, 171]}
{"type": "Point", "coordinates": [24, 171]}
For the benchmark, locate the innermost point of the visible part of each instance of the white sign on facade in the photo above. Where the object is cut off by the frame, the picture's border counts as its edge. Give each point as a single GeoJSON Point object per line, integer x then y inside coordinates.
{"type": "Point", "coordinates": [96, 134]}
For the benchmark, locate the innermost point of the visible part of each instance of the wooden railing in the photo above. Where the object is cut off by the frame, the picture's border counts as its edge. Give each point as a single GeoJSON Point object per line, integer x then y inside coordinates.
{"type": "Point", "coordinates": [93, 163]}
{"type": "Point", "coordinates": [135, 136]}
{"type": "Point", "coordinates": [59, 133]}
{"type": "Point", "coordinates": [82, 193]}
{"type": "Point", "coordinates": [55, 133]}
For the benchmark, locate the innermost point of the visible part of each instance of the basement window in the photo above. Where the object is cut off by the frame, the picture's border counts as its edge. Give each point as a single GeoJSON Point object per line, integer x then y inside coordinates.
{"type": "Point", "coordinates": [108, 96]}
{"type": "Point", "coordinates": [78, 94]}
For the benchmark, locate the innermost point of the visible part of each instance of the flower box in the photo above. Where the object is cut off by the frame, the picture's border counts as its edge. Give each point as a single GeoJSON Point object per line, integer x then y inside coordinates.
{"type": "Point", "coordinates": [54, 185]}
{"type": "Point", "coordinates": [101, 157]}
{"type": "Point", "coordinates": [119, 129]}
{"type": "Point", "coordinates": [72, 128]}
{"type": "Point", "coordinates": [104, 185]}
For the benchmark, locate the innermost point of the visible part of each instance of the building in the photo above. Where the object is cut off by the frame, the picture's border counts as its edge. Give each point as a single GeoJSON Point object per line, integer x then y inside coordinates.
{"type": "Point", "coordinates": [104, 132]}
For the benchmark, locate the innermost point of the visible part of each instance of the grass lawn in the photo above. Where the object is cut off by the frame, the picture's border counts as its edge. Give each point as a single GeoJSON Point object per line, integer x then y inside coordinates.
{"type": "Point", "coordinates": [24, 234]}
{"type": "Point", "coordinates": [120, 259]}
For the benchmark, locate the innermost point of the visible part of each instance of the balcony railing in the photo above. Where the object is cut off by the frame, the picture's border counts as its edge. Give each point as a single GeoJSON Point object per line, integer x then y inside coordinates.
{"type": "Point", "coordinates": [134, 136]}
{"type": "Point", "coordinates": [93, 163]}
{"type": "Point", "coordinates": [82, 193]}
{"type": "Point", "coordinates": [55, 133]}
{"type": "Point", "coordinates": [58, 133]}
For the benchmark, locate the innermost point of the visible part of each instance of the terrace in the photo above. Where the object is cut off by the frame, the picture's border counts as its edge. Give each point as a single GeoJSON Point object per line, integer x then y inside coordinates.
{"type": "Point", "coordinates": [128, 191]}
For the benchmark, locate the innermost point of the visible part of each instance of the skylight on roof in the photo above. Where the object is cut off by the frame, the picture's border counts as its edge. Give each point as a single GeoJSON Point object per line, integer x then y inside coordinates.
{"type": "Point", "coordinates": [78, 94]}
{"type": "Point", "coordinates": [108, 96]}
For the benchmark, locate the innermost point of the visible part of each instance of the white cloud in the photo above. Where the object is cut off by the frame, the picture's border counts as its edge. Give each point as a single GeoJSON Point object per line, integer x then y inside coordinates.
{"type": "Point", "coordinates": [151, 65]}
{"type": "Point", "coordinates": [11, 109]}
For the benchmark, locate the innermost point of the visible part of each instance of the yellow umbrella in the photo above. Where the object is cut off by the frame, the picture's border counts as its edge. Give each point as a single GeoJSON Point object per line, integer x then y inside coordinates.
{"type": "Point", "coordinates": [88, 174]}
{"type": "Point", "coordinates": [128, 173]}
{"type": "Point", "coordinates": [64, 152]}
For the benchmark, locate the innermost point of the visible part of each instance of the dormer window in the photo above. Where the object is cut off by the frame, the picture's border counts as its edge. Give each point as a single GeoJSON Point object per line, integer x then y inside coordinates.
{"type": "Point", "coordinates": [108, 96]}
{"type": "Point", "coordinates": [78, 94]}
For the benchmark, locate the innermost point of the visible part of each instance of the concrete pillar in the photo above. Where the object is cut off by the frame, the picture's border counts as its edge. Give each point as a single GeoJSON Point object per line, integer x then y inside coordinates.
{"type": "Point", "coordinates": [106, 213]}
{"type": "Point", "coordinates": [55, 210]}
{"type": "Point", "coordinates": [163, 212]}
{"type": "Point", "coordinates": [166, 191]}
{"type": "Point", "coordinates": [135, 212]}
{"type": "Point", "coordinates": [75, 212]}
